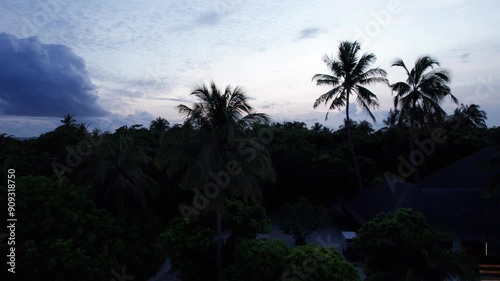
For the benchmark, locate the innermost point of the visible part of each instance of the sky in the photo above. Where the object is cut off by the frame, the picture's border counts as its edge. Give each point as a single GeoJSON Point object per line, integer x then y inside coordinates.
{"type": "Point", "coordinates": [113, 63]}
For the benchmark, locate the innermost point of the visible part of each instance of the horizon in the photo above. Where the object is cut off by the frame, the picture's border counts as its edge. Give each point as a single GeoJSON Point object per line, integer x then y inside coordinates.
{"type": "Point", "coordinates": [114, 64]}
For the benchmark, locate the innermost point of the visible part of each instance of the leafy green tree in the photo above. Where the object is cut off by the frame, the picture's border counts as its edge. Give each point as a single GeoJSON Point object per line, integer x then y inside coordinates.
{"type": "Point", "coordinates": [315, 263]}
{"type": "Point", "coordinates": [350, 76]}
{"type": "Point", "coordinates": [258, 260]}
{"type": "Point", "coordinates": [63, 235]}
{"type": "Point", "coordinates": [418, 98]}
{"type": "Point", "coordinates": [400, 244]}
{"type": "Point", "coordinates": [300, 219]}
{"type": "Point", "coordinates": [190, 247]}
{"type": "Point", "coordinates": [245, 221]}
{"type": "Point", "coordinates": [221, 123]}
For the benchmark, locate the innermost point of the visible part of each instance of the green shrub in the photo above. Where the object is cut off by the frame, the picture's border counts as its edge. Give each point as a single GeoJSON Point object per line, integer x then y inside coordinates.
{"type": "Point", "coordinates": [403, 245]}
{"type": "Point", "coordinates": [258, 260]}
{"type": "Point", "coordinates": [191, 249]}
{"type": "Point", "coordinates": [315, 263]}
{"type": "Point", "coordinates": [387, 238]}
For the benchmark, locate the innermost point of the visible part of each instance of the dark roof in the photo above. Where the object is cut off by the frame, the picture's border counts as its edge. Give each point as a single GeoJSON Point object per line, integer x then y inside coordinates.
{"type": "Point", "coordinates": [451, 199]}
{"type": "Point", "coordinates": [464, 173]}
{"type": "Point", "coordinates": [380, 198]}
{"type": "Point", "coordinates": [462, 211]}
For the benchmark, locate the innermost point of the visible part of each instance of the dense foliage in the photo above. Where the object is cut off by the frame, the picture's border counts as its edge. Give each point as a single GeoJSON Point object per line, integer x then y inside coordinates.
{"type": "Point", "coordinates": [245, 221]}
{"type": "Point", "coordinates": [315, 263]}
{"type": "Point", "coordinates": [95, 202]}
{"type": "Point", "coordinates": [258, 260]}
{"type": "Point", "coordinates": [190, 247]}
{"type": "Point", "coordinates": [63, 235]}
{"type": "Point", "coordinates": [301, 218]}
{"type": "Point", "coordinates": [403, 244]}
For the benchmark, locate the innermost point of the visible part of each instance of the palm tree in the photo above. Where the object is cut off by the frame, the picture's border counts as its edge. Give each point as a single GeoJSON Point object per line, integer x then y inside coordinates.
{"type": "Point", "coordinates": [159, 125]}
{"type": "Point", "coordinates": [117, 171]}
{"type": "Point", "coordinates": [350, 75]}
{"type": "Point", "coordinates": [317, 127]}
{"type": "Point", "coordinates": [418, 98]}
{"type": "Point", "coordinates": [5, 137]}
{"type": "Point", "coordinates": [470, 116]}
{"type": "Point", "coordinates": [96, 133]}
{"type": "Point", "coordinates": [82, 129]}
{"type": "Point", "coordinates": [68, 121]}
{"type": "Point", "coordinates": [392, 118]}
{"type": "Point", "coordinates": [219, 125]}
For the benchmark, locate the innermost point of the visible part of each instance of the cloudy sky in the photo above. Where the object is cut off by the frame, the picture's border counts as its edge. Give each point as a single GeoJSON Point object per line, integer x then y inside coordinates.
{"type": "Point", "coordinates": [113, 63]}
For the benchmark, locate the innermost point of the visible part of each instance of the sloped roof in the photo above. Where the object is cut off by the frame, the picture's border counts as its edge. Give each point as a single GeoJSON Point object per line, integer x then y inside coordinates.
{"type": "Point", "coordinates": [464, 173]}
{"type": "Point", "coordinates": [451, 199]}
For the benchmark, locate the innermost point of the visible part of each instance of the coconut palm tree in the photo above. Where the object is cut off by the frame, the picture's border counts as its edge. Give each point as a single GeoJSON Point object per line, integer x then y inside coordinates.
{"type": "Point", "coordinates": [392, 118]}
{"type": "Point", "coordinates": [96, 133]}
{"type": "Point", "coordinates": [82, 129]}
{"type": "Point", "coordinates": [68, 121]}
{"type": "Point", "coordinates": [117, 170]}
{"type": "Point", "coordinates": [350, 76]}
{"type": "Point", "coordinates": [5, 137]}
{"type": "Point", "coordinates": [419, 98]}
{"type": "Point", "coordinates": [470, 116]}
{"type": "Point", "coordinates": [317, 127]}
{"type": "Point", "coordinates": [218, 134]}
{"type": "Point", "coordinates": [159, 125]}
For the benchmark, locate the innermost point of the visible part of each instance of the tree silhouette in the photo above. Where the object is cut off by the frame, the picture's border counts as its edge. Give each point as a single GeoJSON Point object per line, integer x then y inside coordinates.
{"type": "Point", "coordinates": [350, 76]}
{"type": "Point", "coordinates": [220, 123]}
{"type": "Point", "coordinates": [418, 98]}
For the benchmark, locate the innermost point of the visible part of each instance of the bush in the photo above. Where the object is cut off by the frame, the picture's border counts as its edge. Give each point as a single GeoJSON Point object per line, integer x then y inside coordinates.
{"type": "Point", "coordinates": [404, 245]}
{"type": "Point", "coordinates": [315, 263]}
{"type": "Point", "coordinates": [258, 260]}
{"type": "Point", "coordinates": [387, 238]}
{"type": "Point", "coordinates": [191, 249]}
{"type": "Point", "coordinates": [300, 219]}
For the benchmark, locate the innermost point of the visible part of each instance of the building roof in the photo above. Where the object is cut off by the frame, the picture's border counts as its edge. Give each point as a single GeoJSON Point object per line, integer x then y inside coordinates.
{"type": "Point", "coordinates": [451, 199]}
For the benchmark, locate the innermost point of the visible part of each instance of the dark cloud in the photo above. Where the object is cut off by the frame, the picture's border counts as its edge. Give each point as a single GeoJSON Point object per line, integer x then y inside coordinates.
{"type": "Point", "coordinates": [465, 56]}
{"type": "Point", "coordinates": [309, 33]}
{"type": "Point", "coordinates": [44, 80]}
{"type": "Point", "coordinates": [211, 18]}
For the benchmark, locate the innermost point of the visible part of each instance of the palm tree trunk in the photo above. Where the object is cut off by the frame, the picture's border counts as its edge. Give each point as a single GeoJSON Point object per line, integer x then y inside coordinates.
{"type": "Point", "coordinates": [415, 168]}
{"type": "Point", "coordinates": [413, 139]}
{"type": "Point", "coordinates": [351, 146]}
{"type": "Point", "coordinates": [219, 238]}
